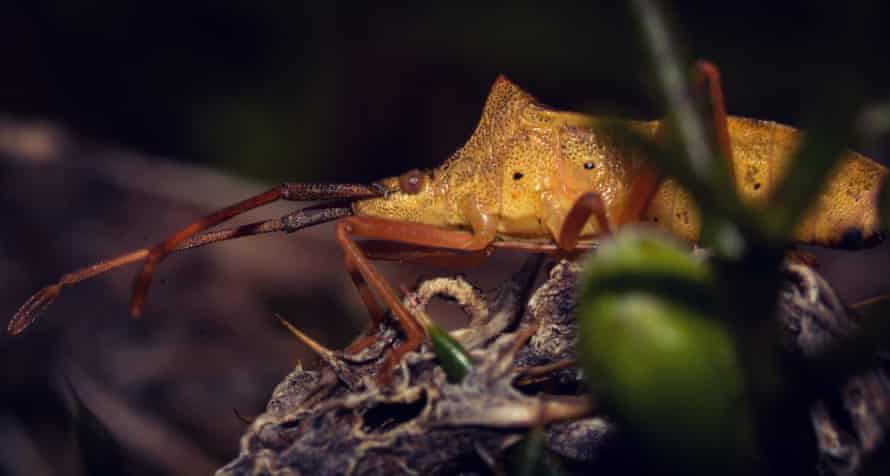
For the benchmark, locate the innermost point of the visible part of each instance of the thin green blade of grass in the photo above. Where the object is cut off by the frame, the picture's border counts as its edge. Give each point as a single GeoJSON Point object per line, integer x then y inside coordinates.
{"type": "Point", "coordinates": [811, 166]}
{"type": "Point", "coordinates": [874, 123]}
{"type": "Point", "coordinates": [823, 145]}
{"type": "Point", "coordinates": [100, 452]}
{"type": "Point", "coordinates": [672, 71]}
{"type": "Point", "coordinates": [672, 161]}
{"type": "Point", "coordinates": [140, 434]}
{"type": "Point", "coordinates": [530, 456]}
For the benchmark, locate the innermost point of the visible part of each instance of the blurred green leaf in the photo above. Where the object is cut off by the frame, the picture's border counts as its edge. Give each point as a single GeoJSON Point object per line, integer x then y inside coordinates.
{"type": "Point", "coordinates": [100, 453]}
{"type": "Point", "coordinates": [670, 160]}
{"type": "Point", "coordinates": [874, 123]}
{"type": "Point", "coordinates": [683, 354]}
{"type": "Point", "coordinates": [812, 164]}
{"type": "Point", "coordinates": [531, 458]}
{"type": "Point", "coordinates": [639, 261]}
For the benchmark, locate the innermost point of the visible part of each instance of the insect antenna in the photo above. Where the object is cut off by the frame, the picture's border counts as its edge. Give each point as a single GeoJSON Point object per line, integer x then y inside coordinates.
{"type": "Point", "coordinates": [297, 220]}
{"type": "Point", "coordinates": [292, 191]}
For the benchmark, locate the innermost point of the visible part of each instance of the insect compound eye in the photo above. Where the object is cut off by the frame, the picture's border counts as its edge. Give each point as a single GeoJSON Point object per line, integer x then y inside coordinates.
{"type": "Point", "coordinates": [411, 181]}
{"type": "Point", "coordinates": [588, 165]}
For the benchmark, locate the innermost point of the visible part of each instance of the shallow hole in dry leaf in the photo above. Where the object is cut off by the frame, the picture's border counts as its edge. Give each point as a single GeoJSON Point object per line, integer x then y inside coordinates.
{"type": "Point", "coordinates": [385, 416]}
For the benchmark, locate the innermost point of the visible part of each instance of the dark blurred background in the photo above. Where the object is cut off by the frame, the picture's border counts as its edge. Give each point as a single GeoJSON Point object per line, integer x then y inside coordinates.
{"type": "Point", "coordinates": [276, 90]}
{"type": "Point", "coordinates": [94, 93]}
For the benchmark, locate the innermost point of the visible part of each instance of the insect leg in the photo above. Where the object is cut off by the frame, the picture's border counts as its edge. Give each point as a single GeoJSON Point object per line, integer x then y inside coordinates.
{"type": "Point", "coordinates": [642, 189]}
{"type": "Point", "coordinates": [401, 232]}
{"type": "Point", "coordinates": [405, 253]}
{"type": "Point", "coordinates": [645, 184]}
{"type": "Point", "coordinates": [31, 309]}
{"type": "Point", "coordinates": [285, 191]}
{"type": "Point", "coordinates": [707, 72]}
{"type": "Point", "coordinates": [401, 252]}
{"type": "Point", "coordinates": [590, 204]}
{"type": "Point", "coordinates": [370, 303]}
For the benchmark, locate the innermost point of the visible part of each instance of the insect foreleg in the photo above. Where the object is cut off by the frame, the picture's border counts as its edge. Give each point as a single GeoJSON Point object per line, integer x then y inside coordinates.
{"type": "Point", "coordinates": [645, 183]}
{"type": "Point", "coordinates": [588, 205]}
{"type": "Point", "coordinates": [401, 252]}
{"type": "Point", "coordinates": [367, 277]}
{"type": "Point", "coordinates": [405, 253]}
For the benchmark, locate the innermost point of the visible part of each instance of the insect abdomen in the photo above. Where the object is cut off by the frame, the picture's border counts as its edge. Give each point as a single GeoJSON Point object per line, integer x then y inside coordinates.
{"type": "Point", "coordinates": [846, 213]}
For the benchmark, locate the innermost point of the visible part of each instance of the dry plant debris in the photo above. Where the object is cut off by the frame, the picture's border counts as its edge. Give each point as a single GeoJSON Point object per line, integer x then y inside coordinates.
{"type": "Point", "coordinates": [337, 420]}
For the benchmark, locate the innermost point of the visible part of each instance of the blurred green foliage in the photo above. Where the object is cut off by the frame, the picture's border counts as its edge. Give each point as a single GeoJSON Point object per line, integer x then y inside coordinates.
{"type": "Point", "coordinates": [684, 352]}
{"type": "Point", "coordinates": [653, 350]}
{"type": "Point", "coordinates": [100, 452]}
{"type": "Point", "coordinates": [530, 457]}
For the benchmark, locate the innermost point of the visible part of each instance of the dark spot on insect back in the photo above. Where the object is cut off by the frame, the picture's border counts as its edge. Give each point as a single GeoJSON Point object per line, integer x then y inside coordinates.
{"type": "Point", "coordinates": [852, 239]}
{"type": "Point", "coordinates": [757, 186]}
{"type": "Point", "coordinates": [517, 175]}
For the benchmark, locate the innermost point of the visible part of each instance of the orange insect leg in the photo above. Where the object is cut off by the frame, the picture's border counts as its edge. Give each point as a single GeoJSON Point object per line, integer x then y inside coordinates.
{"type": "Point", "coordinates": [707, 72]}
{"type": "Point", "coordinates": [400, 232]}
{"type": "Point", "coordinates": [588, 205]}
{"type": "Point", "coordinates": [706, 79]}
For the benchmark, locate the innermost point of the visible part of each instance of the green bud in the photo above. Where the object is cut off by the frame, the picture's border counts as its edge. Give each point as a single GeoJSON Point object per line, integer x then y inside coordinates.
{"type": "Point", "coordinates": [653, 352]}
{"type": "Point", "coordinates": [454, 359]}
{"type": "Point", "coordinates": [638, 260]}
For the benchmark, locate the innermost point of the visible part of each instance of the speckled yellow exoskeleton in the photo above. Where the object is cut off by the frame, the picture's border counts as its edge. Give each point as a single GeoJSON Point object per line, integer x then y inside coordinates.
{"type": "Point", "coordinates": [530, 177]}
{"type": "Point", "coordinates": [526, 165]}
